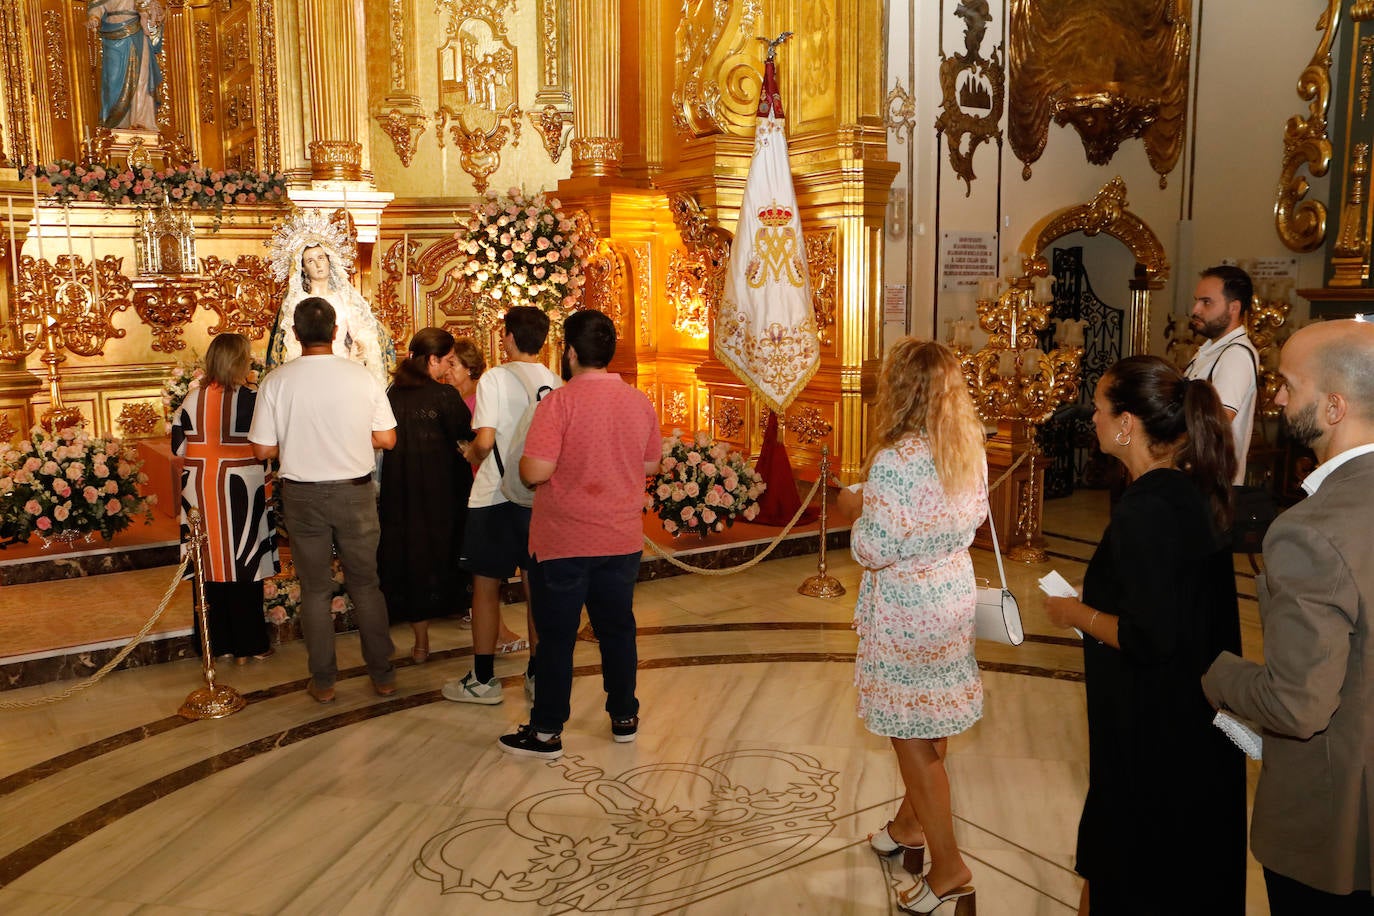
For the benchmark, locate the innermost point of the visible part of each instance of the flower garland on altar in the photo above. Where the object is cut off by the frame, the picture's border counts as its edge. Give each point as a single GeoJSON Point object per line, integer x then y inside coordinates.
{"type": "Point", "coordinates": [523, 250]}
{"type": "Point", "coordinates": [702, 486]}
{"type": "Point", "coordinates": [68, 485]}
{"type": "Point", "coordinates": [179, 186]}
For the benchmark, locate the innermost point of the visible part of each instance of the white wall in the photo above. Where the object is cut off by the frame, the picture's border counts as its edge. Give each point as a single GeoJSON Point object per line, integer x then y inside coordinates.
{"type": "Point", "coordinates": [1219, 199]}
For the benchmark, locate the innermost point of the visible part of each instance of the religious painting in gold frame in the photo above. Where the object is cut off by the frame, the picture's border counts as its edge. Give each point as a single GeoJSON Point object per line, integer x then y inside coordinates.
{"type": "Point", "coordinates": [1114, 70]}
{"type": "Point", "coordinates": [478, 104]}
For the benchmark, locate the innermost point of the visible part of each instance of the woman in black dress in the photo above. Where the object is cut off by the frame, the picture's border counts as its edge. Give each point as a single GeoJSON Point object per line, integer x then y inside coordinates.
{"type": "Point", "coordinates": [1163, 826]}
{"type": "Point", "coordinates": [425, 485]}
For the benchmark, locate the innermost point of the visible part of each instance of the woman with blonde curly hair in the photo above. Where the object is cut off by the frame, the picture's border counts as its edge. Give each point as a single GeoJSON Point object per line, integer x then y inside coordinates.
{"type": "Point", "coordinates": [915, 671]}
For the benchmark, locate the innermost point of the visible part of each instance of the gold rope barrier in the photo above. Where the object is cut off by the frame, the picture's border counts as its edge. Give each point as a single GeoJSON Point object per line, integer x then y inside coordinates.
{"type": "Point", "coordinates": [752, 561]}
{"type": "Point", "coordinates": [114, 662]}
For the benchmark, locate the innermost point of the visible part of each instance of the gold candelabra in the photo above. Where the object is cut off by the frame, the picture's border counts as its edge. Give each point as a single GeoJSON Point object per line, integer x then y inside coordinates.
{"type": "Point", "coordinates": [1017, 385]}
{"type": "Point", "coordinates": [63, 307]}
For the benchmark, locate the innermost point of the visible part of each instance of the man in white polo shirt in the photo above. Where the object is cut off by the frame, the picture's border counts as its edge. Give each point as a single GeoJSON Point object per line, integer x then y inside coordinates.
{"type": "Point", "coordinates": [321, 416]}
{"type": "Point", "coordinates": [1228, 359]}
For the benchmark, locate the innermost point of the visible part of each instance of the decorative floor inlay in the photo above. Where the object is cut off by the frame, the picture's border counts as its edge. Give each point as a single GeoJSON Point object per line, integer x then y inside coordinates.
{"type": "Point", "coordinates": [666, 834]}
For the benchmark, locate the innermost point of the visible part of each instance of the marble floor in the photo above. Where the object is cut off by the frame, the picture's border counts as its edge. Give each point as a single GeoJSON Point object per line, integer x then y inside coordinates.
{"type": "Point", "coordinates": [751, 788]}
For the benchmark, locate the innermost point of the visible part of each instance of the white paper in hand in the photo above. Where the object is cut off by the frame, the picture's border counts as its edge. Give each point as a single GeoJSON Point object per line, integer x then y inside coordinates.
{"type": "Point", "coordinates": [1056, 586]}
{"type": "Point", "coordinates": [1241, 735]}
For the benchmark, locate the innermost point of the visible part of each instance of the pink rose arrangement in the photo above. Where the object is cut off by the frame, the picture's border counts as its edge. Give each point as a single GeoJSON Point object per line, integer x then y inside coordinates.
{"type": "Point", "coordinates": [281, 595]}
{"type": "Point", "coordinates": [180, 186]}
{"type": "Point", "coordinates": [523, 250]}
{"type": "Point", "coordinates": [68, 483]}
{"type": "Point", "coordinates": [702, 486]}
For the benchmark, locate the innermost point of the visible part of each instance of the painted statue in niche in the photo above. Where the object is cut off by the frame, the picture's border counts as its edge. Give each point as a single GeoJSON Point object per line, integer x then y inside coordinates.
{"type": "Point", "coordinates": [130, 41]}
{"type": "Point", "coordinates": [973, 89]}
{"type": "Point", "coordinates": [1113, 69]}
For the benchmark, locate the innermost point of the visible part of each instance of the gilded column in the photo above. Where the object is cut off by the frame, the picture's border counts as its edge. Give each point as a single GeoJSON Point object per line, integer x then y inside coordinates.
{"type": "Point", "coordinates": [331, 51]}
{"type": "Point", "coordinates": [597, 146]}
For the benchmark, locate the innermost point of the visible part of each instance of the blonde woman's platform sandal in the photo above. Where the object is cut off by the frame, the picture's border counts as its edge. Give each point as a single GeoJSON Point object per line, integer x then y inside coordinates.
{"type": "Point", "coordinates": [913, 857]}
{"type": "Point", "coordinates": [921, 899]}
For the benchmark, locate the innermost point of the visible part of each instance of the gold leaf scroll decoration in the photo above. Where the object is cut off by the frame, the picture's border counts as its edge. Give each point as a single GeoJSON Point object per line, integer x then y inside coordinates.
{"type": "Point", "coordinates": [1301, 224]}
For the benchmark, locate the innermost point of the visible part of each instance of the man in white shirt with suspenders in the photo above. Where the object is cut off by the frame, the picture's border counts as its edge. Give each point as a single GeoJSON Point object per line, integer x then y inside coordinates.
{"type": "Point", "coordinates": [1228, 359]}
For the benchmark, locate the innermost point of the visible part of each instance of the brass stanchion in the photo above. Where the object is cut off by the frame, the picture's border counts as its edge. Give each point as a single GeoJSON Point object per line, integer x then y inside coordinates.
{"type": "Point", "coordinates": [213, 701]}
{"type": "Point", "coordinates": [822, 585]}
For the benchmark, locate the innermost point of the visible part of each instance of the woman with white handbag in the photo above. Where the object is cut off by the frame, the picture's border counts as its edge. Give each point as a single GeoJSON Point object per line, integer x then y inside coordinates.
{"type": "Point", "coordinates": [917, 678]}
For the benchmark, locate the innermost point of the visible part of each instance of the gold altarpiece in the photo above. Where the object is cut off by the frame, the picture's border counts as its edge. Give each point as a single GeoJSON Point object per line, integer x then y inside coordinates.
{"type": "Point", "coordinates": [640, 114]}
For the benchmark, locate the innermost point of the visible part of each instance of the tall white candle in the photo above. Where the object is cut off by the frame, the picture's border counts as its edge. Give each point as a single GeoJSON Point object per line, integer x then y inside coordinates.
{"type": "Point", "coordinates": [37, 218]}
{"type": "Point", "coordinates": [14, 256]}
{"type": "Point", "coordinates": [71, 255]}
{"type": "Point", "coordinates": [95, 275]}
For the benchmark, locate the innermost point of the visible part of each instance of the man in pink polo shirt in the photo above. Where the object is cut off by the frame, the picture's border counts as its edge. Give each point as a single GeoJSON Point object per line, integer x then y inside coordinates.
{"type": "Point", "coordinates": [590, 446]}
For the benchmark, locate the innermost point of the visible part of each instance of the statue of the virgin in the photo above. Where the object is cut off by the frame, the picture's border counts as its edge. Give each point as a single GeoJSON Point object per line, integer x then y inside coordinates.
{"type": "Point", "coordinates": [313, 254]}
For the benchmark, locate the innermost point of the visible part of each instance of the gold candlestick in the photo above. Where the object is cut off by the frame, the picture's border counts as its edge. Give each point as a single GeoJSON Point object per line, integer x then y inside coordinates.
{"type": "Point", "coordinates": [213, 701]}
{"type": "Point", "coordinates": [822, 584]}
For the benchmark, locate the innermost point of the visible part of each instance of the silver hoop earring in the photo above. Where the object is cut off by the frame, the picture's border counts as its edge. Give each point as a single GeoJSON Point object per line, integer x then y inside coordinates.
{"type": "Point", "coordinates": [1123, 439]}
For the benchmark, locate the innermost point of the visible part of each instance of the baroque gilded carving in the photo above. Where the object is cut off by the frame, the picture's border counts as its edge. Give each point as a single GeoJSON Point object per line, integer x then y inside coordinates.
{"type": "Point", "coordinates": [822, 263]}
{"type": "Point", "coordinates": [716, 80]}
{"type": "Point", "coordinates": [396, 27]}
{"type": "Point", "coordinates": [675, 407]}
{"type": "Point", "coordinates": [601, 154]}
{"type": "Point", "coordinates": [729, 419]}
{"type": "Point", "coordinates": [708, 244]}
{"type": "Point", "coordinates": [404, 129]}
{"type": "Point", "coordinates": [7, 430]}
{"type": "Point", "coordinates": [205, 84]}
{"type": "Point", "coordinates": [688, 278]}
{"type": "Point", "coordinates": [1107, 213]}
{"type": "Point", "coordinates": [390, 306]}
{"type": "Point", "coordinates": [816, 43]}
{"type": "Point", "coordinates": [1113, 69]}
{"type": "Point", "coordinates": [972, 90]}
{"type": "Point", "coordinates": [339, 159]}
{"type": "Point", "coordinates": [55, 65]}
{"type": "Point", "coordinates": [1366, 73]}
{"type": "Point", "coordinates": [267, 79]}
{"type": "Point", "coordinates": [554, 128]}
{"type": "Point", "coordinates": [139, 420]}
{"type": "Point", "coordinates": [1301, 224]}
{"type": "Point", "coordinates": [1350, 243]}
{"type": "Point", "coordinates": [166, 307]}
{"type": "Point", "coordinates": [75, 301]}
{"type": "Point", "coordinates": [643, 275]}
{"type": "Point", "coordinates": [809, 426]}
{"type": "Point", "coordinates": [900, 112]}
{"type": "Point", "coordinates": [17, 83]}
{"type": "Point", "coordinates": [477, 85]}
{"type": "Point", "coordinates": [242, 293]}
{"type": "Point", "coordinates": [606, 289]}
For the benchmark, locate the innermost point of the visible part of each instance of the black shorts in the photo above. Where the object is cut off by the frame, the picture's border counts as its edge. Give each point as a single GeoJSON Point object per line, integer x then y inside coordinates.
{"type": "Point", "coordinates": [496, 540]}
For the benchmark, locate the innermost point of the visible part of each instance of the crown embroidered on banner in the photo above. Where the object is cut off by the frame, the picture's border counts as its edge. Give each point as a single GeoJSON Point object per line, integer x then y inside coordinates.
{"type": "Point", "coordinates": [775, 215]}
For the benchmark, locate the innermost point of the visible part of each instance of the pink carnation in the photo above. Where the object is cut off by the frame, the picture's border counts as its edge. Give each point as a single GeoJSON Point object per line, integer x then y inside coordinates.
{"type": "Point", "coordinates": [61, 513]}
{"type": "Point", "coordinates": [112, 507]}
{"type": "Point", "coordinates": [708, 516]}
{"type": "Point", "coordinates": [692, 489]}
{"type": "Point", "coordinates": [32, 507]}
{"type": "Point", "coordinates": [337, 606]}
{"type": "Point", "coordinates": [91, 494]}
{"type": "Point", "coordinates": [44, 523]}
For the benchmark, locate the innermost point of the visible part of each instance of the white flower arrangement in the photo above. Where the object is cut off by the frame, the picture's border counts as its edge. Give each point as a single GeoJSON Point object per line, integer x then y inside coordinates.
{"type": "Point", "coordinates": [523, 250]}
{"type": "Point", "coordinates": [702, 486]}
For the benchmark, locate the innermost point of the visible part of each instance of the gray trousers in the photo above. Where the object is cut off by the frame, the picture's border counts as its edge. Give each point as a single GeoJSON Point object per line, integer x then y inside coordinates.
{"type": "Point", "coordinates": [321, 518]}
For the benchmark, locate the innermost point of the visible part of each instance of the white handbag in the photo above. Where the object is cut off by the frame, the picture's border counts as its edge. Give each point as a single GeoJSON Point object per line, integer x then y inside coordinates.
{"type": "Point", "coordinates": [997, 617]}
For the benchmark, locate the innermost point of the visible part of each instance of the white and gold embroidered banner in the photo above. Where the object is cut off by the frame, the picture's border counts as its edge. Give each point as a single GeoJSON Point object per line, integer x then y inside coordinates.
{"type": "Point", "coordinates": [766, 330]}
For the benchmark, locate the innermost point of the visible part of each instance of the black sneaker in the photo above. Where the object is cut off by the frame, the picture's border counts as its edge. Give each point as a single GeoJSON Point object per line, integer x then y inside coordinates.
{"type": "Point", "coordinates": [525, 743]}
{"type": "Point", "coordinates": [624, 730]}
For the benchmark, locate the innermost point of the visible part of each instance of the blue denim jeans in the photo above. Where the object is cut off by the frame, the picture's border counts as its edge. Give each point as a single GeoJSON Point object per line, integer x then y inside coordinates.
{"type": "Point", "coordinates": [559, 590]}
{"type": "Point", "coordinates": [322, 518]}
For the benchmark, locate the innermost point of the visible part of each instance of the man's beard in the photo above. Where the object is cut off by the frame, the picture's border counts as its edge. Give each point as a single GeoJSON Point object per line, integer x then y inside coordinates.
{"type": "Point", "coordinates": [1210, 329]}
{"type": "Point", "coordinates": [1302, 426]}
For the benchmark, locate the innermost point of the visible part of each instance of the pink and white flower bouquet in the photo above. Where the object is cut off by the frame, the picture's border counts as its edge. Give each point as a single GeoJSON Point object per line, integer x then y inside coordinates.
{"type": "Point", "coordinates": [66, 485]}
{"type": "Point", "coordinates": [702, 486]}
{"type": "Point", "coordinates": [523, 250]}
{"type": "Point", "coordinates": [281, 595]}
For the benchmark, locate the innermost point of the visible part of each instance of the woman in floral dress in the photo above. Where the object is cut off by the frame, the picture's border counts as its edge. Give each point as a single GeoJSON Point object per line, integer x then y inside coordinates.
{"type": "Point", "coordinates": [915, 671]}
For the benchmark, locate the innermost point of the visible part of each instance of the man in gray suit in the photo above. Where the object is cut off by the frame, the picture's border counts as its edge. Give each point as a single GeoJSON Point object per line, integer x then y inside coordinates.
{"type": "Point", "coordinates": [1313, 694]}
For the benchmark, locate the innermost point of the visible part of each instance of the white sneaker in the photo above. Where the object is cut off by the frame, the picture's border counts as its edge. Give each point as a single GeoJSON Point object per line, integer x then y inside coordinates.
{"type": "Point", "coordinates": [529, 687]}
{"type": "Point", "coordinates": [470, 690]}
